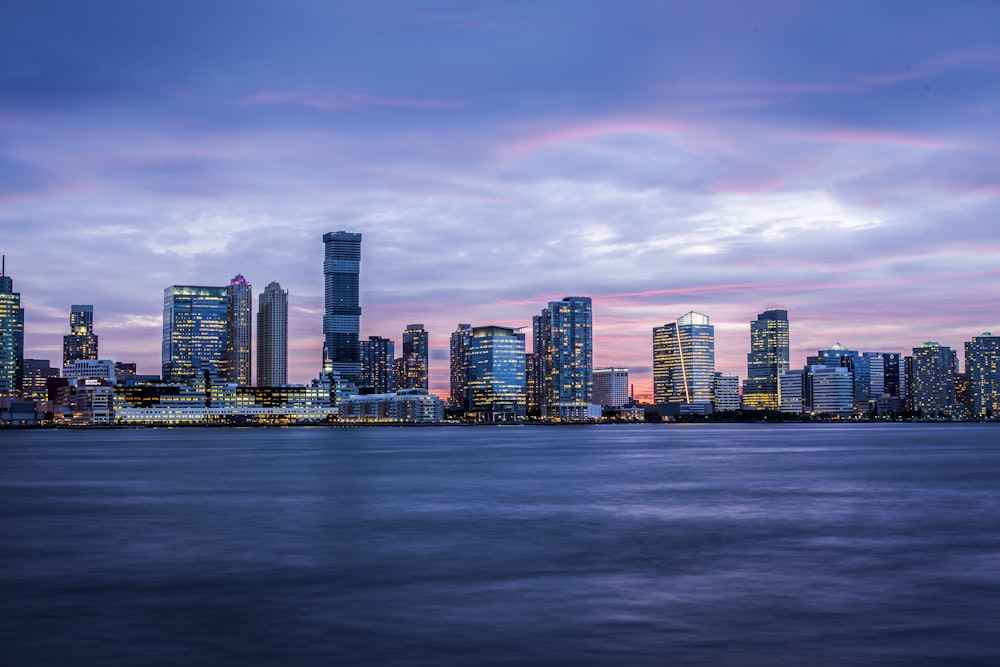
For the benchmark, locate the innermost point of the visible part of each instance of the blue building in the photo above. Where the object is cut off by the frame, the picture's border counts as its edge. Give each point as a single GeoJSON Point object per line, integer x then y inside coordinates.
{"type": "Point", "coordinates": [377, 356]}
{"type": "Point", "coordinates": [563, 342]}
{"type": "Point", "coordinates": [11, 338]}
{"type": "Point", "coordinates": [195, 332]}
{"type": "Point", "coordinates": [495, 374]}
{"type": "Point", "coordinates": [342, 305]}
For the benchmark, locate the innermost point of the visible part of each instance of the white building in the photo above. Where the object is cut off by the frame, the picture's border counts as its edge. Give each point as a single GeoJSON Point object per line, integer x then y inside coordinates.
{"type": "Point", "coordinates": [413, 406]}
{"type": "Point", "coordinates": [829, 390]}
{"type": "Point", "coordinates": [727, 392]}
{"type": "Point", "coordinates": [790, 391]}
{"type": "Point", "coordinates": [611, 387]}
{"type": "Point", "coordinates": [93, 369]}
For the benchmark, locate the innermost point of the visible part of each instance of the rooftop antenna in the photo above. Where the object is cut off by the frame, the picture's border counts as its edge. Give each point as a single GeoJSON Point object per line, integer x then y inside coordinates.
{"type": "Point", "coordinates": [3, 265]}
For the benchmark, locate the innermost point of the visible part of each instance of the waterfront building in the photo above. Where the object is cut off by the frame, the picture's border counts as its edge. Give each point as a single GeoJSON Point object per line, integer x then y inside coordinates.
{"type": "Point", "coordinates": [342, 305]}
{"type": "Point", "coordinates": [239, 318]}
{"type": "Point", "coordinates": [534, 384]}
{"type": "Point", "coordinates": [91, 369]}
{"type": "Point", "coordinates": [790, 384]}
{"type": "Point", "coordinates": [933, 379]}
{"type": "Point", "coordinates": [377, 356]}
{"type": "Point", "coordinates": [81, 342]}
{"type": "Point", "coordinates": [879, 383]}
{"type": "Point", "coordinates": [563, 337]}
{"type": "Point", "coordinates": [414, 365]}
{"type": "Point", "coordinates": [458, 348]}
{"type": "Point", "coordinates": [766, 361]}
{"type": "Point", "coordinates": [684, 363]}
{"type": "Point", "coordinates": [125, 372]}
{"type": "Point", "coordinates": [982, 365]}
{"type": "Point", "coordinates": [828, 390]}
{"type": "Point", "coordinates": [195, 331]}
{"type": "Point", "coordinates": [272, 336]}
{"type": "Point", "coordinates": [413, 406]}
{"type": "Point", "coordinates": [837, 356]}
{"type": "Point", "coordinates": [495, 374]}
{"type": "Point", "coordinates": [611, 387]}
{"type": "Point", "coordinates": [36, 376]}
{"type": "Point", "coordinates": [11, 337]}
{"type": "Point", "coordinates": [727, 392]}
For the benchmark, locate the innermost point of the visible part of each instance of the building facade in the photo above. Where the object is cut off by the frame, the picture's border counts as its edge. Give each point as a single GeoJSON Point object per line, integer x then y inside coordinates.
{"type": "Point", "coordinates": [766, 361]}
{"type": "Point", "coordinates": [563, 337]}
{"type": "Point", "coordinates": [495, 375]}
{"type": "Point", "coordinates": [727, 392]}
{"type": "Point", "coordinates": [239, 315]}
{"type": "Point", "coordinates": [933, 380]}
{"type": "Point", "coordinates": [416, 353]}
{"type": "Point", "coordinates": [195, 330]}
{"type": "Point", "coordinates": [611, 387]}
{"type": "Point", "coordinates": [36, 375]}
{"type": "Point", "coordinates": [458, 348]}
{"type": "Point", "coordinates": [982, 365]}
{"type": "Point", "coordinates": [377, 356]}
{"type": "Point", "coordinates": [684, 361]}
{"type": "Point", "coordinates": [272, 336]}
{"type": "Point", "coordinates": [11, 339]}
{"type": "Point", "coordinates": [342, 305]}
{"type": "Point", "coordinates": [81, 342]}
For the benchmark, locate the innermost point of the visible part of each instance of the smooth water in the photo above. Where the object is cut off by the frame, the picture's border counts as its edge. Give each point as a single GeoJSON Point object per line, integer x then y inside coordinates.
{"type": "Point", "coordinates": [595, 545]}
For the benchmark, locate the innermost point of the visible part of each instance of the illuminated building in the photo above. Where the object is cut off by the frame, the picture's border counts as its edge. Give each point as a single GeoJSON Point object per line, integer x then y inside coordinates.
{"type": "Point", "coordinates": [272, 336]}
{"type": "Point", "coordinates": [11, 338]}
{"type": "Point", "coordinates": [534, 383]}
{"type": "Point", "coordinates": [377, 356]}
{"type": "Point", "coordinates": [563, 338]}
{"type": "Point", "coordinates": [727, 392]}
{"type": "Point", "coordinates": [684, 362]}
{"type": "Point", "coordinates": [125, 372]}
{"type": "Point", "coordinates": [766, 361]}
{"type": "Point", "coordinates": [611, 387]}
{"type": "Point", "coordinates": [982, 365]}
{"type": "Point", "coordinates": [495, 374]}
{"type": "Point", "coordinates": [414, 406]}
{"type": "Point", "coordinates": [91, 369]}
{"type": "Point", "coordinates": [195, 329]}
{"type": "Point", "coordinates": [342, 305]}
{"type": "Point", "coordinates": [792, 399]}
{"type": "Point", "coordinates": [413, 370]}
{"type": "Point", "coordinates": [933, 379]}
{"type": "Point", "coordinates": [239, 305]}
{"type": "Point", "coordinates": [36, 375]}
{"type": "Point", "coordinates": [457, 349]}
{"type": "Point", "coordinates": [81, 342]}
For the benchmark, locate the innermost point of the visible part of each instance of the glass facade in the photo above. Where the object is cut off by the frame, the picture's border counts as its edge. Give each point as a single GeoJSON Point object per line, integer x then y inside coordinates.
{"type": "Point", "coordinates": [194, 332]}
{"type": "Point", "coordinates": [495, 374]}
{"type": "Point", "coordinates": [377, 355]}
{"type": "Point", "coordinates": [342, 305]}
{"type": "Point", "coordinates": [11, 340]}
{"type": "Point", "coordinates": [81, 343]}
{"type": "Point", "coordinates": [414, 367]}
{"type": "Point", "coordinates": [239, 315]}
{"type": "Point", "coordinates": [933, 379]}
{"type": "Point", "coordinates": [767, 360]}
{"type": "Point", "coordinates": [457, 350]}
{"type": "Point", "coordinates": [982, 365]}
{"type": "Point", "coordinates": [563, 336]}
{"type": "Point", "coordinates": [684, 361]}
{"type": "Point", "coordinates": [272, 336]}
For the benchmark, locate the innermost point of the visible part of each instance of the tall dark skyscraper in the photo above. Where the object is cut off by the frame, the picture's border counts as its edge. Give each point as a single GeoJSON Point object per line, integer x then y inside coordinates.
{"type": "Point", "coordinates": [195, 328]}
{"type": "Point", "coordinates": [766, 361]}
{"type": "Point", "coordinates": [81, 342]}
{"type": "Point", "coordinates": [458, 350]}
{"type": "Point", "coordinates": [272, 337]}
{"type": "Point", "coordinates": [414, 362]}
{"type": "Point", "coordinates": [342, 312]}
{"type": "Point", "coordinates": [239, 306]}
{"type": "Point", "coordinates": [11, 338]}
{"type": "Point", "coordinates": [982, 364]}
{"type": "Point", "coordinates": [377, 356]}
{"type": "Point", "coordinates": [563, 337]}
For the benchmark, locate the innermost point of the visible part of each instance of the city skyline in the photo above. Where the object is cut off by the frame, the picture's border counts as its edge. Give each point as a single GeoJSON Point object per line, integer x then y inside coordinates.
{"type": "Point", "coordinates": [833, 161]}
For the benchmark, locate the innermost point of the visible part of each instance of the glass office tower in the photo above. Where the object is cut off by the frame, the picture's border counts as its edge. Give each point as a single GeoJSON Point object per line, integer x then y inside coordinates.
{"type": "Point", "coordinates": [239, 334]}
{"type": "Point", "coordinates": [684, 361]}
{"type": "Point", "coordinates": [11, 339]}
{"type": "Point", "coordinates": [564, 341]}
{"type": "Point", "coordinates": [272, 337]}
{"type": "Point", "coordinates": [81, 342]}
{"type": "Point", "coordinates": [767, 360]}
{"type": "Point", "coordinates": [342, 305]}
{"type": "Point", "coordinates": [495, 374]}
{"type": "Point", "coordinates": [195, 332]}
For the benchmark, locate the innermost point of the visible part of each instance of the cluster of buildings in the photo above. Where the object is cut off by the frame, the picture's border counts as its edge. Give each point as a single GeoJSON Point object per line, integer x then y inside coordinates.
{"type": "Point", "coordinates": [206, 373]}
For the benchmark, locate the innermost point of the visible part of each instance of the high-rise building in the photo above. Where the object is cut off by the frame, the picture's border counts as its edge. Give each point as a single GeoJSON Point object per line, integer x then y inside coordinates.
{"type": "Point", "coordinates": [414, 366]}
{"type": "Point", "coordinates": [195, 329]}
{"type": "Point", "coordinates": [495, 374]}
{"type": "Point", "coordinates": [81, 342]}
{"type": "Point", "coordinates": [11, 337]}
{"type": "Point", "coordinates": [563, 336]}
{"type": "Point", "coordinates": [766, 361]}
{"type": "Point", "coordinates": [377, 356]}
{"type": "Point", "coordinates": [727, 392]}
{"type": "Point", "coordinates": [342, 318]}
{"type": "Point", "coordinates": [611, 387]}
{"type": "Point", "coordinates": [534, 381]}
{"type": "Point", "coordinates": [933, 379]}
{"type": "Point", "coordinates": [272, 336]}
{"type": "Point", "coordinates": [457, 350]}
{"type": "Point", "coordinates": [828, 390]}
{"type": "Point", "coordinates": [684, 361]}
{"type": "Point", "coordinates": [836, 356]}
{"type": "Point", "coordinates": [982, 365]}
{"type": "Point", "coordinates": [790, 384]}
{"type": "Point", "coordinates": [36, 375]}
{"type": "Point", "coordinates": [239, 307]}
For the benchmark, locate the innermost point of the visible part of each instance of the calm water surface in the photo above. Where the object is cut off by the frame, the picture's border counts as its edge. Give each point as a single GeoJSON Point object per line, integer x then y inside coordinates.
{"type": "Point", "coordinates": [600, 545]}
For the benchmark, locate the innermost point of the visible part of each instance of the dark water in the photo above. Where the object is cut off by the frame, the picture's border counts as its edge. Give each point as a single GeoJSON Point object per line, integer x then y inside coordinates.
{"type": "Point", "coordinates": [610, 545]}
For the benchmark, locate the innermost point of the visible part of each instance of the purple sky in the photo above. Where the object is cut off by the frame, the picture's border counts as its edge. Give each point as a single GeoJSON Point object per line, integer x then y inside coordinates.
{"type": "Point", "coordinates": [836, 159]}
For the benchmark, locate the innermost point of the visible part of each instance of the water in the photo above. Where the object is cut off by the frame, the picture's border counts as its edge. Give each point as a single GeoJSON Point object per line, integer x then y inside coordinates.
{"type": "Point", "coordinates": [606, 545]}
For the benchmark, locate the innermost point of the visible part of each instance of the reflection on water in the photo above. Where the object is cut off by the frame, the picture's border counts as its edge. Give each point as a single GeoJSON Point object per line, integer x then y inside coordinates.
{"type": "Point", "coordinates": [721, 545]}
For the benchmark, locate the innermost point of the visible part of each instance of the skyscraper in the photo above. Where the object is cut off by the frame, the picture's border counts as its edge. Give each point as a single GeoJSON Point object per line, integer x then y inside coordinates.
{"type": "Point", "coordinates": [495, 374]}
{"type": "Point", "coordinates": [982, 364]}
{"type": "Point", "coordinates": [11, 337]}
{"type": "Point", "coordinates": [36, 375]}
{"type": "Point", "coordinates": [239, 306]}
{"type": "Point", "coordinates": [611, 387]}
{"type": "Point", "coordinates": [457, 350]}
{"type": "Point", "coordinates": [933, 379]}
{"type": "Point", "coordinates": [377, 356]}
{"type": "Point", "coordinates": [563, 337]}
{"type": "Point", "coordinates": [81, 342]}
{"type": "Point", "coordinates": [272, 337]}
{"type": "Point", "coordinates": [766, 361]}
{"type": "Point", "coordinates": [195, 329]}
{"type": "Point", "coordinates": [342, 318]}
{"type": "Point", "coordinates": [413, 369]}
{"type": "Point", "coordinates": [684, 362]}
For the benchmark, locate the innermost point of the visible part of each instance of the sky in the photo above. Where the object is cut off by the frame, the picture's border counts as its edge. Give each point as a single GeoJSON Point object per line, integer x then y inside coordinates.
{"type": "Point", "coordinates": [836, 159]}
